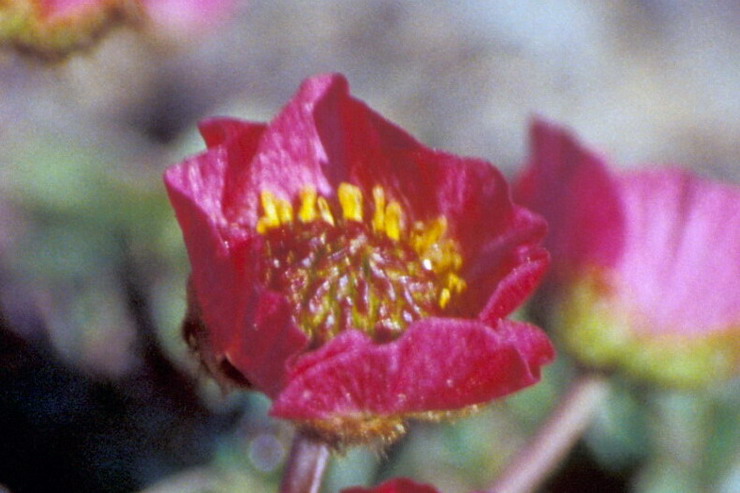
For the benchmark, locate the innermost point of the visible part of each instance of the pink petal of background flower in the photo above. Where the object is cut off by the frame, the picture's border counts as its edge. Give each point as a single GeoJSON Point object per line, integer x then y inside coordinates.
{"type": "Point", "coordinates": [646, 263]}
{"type": "Point", "coordinates": [681, 258]}
{"type": "Point", "coordinates": [187, 17]}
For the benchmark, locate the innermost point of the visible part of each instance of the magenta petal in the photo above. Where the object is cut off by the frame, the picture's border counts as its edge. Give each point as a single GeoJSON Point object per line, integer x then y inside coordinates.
{"type": "Point", "coordinates": [262, 355]}
{"type": "Point", "coordinates": [681, 264]}
{"type": "Point", "coordinates": [222, 274]}
{"type": "Point", "coordinates": [397, 485]}
{"type": "Point", "coordinates": [218, 131]}
{"type": "Point", "coordinates": [532, 343]}
{"type": "Point", "coordinates": [670, 240]}
{"type": "Point", "coordinates": [237, 141]}
{"type": "Point", "coordinates": [438, 364]}
{"type": "Point", "coordinates": [520, 261]}
{"type": "Point", "coordinates": [573, 189]}
{"type": "Point", "coordinates": [494, 235]}
{"type": "Point", "coordinates": [290, 142]}
{"type": "Point", "coordinates": [195, 189]}
{"type": "Point", "coordinates": [367, 150]}
{"type": "Point", "coordinates": [518, 284]}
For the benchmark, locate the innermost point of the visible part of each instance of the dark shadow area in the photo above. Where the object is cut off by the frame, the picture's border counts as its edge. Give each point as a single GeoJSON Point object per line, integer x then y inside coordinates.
{"type": "Point", "coordinates": [64, 430]}
{"type": "Point", "coordinates": [581, 473]}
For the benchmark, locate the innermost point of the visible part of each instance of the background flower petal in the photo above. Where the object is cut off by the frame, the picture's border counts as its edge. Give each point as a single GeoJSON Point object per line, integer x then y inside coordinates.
{"type": "Point", "coordinates": [571, 186]}
{"type": "Point", "coordinates": [681, 265]}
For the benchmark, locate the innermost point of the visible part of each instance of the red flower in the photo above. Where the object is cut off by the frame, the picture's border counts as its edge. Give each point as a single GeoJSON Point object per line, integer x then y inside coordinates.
{"type": "Point", "coordinates": [398, 485]}
{"type": "Point", "coordinates": [646, 263]}
{"type": "Point", "coordinates": [355, 276]}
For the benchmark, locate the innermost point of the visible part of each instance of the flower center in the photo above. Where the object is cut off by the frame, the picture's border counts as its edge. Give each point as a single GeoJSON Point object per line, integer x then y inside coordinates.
{"type": "Point", "coordinates": [340, 270]}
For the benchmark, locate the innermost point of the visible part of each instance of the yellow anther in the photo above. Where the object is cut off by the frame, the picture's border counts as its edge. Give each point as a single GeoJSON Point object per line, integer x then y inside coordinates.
{"type": "Point", "coordinates": [393, 220]}
{"type": "Point", "coordinates": [307, 210]}
{"type": "Point", "coordinates": [444, 297]}
{"type": "Point", "coordinates": [269, 202]}
{"type": "Point", "coordinates": [379, 213]}
{"type": "Point", "coordinates": [455, 258]}
{"type": "Point", "coordinates": [324, 210]}
{"type": "Point", "coordinates": [455, 283]}
{"type": "Point", "coordinates": [436, 230]}
{"type": "Point", "coordinates": [350, 198]}
{"type": "Point", "coordinates": [442, 255]}
{"type": "Point", "coordinates": [427, 236]}
{"type": "Point", "coordinates": [416, 237]}
{"type": "Point", "coordinates": [284, 211]}
{"type": "Point", "coordinates": [270, 216]}
{"type": "Point", "coordinates": [263, 225]}
{"type": "Point", "coordinates": [343, 268]}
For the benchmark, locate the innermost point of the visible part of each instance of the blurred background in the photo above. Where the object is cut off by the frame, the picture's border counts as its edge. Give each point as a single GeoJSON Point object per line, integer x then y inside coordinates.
{"type": "Point", "coordinates": [97, 390]}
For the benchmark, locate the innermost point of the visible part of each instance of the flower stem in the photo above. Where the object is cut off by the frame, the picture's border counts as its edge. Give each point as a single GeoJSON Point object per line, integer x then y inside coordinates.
{"type": "Point", "coordinates": [570, 419]}
{"type": "Point", "coordinates": [306, 465]}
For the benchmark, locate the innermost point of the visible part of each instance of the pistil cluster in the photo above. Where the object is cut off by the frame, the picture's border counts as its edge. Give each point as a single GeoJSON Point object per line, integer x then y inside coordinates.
{"type": "Point", "coordinates": [347, 264]}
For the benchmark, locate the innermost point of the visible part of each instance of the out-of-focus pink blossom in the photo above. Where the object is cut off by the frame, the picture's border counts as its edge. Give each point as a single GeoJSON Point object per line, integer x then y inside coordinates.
{"type": "Point", "coordinates": [180, 19]}
{"type": "Point", "coordinates": [646, 263]}
{"type": "Point", "coordinates": [57, 28]}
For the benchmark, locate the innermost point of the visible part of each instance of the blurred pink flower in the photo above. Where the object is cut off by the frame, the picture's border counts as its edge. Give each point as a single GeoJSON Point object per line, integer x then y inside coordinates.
{"type": "Point", "coordinates": [55, 28]}
{"type": "Point", "coordinates": [180, 19]}
{"type": "Point", "coordinates": [646, 263]}
{"type": "Point", "coordinates": [60, 9]}
{"type": "Point", "coordinates": [52, 28]}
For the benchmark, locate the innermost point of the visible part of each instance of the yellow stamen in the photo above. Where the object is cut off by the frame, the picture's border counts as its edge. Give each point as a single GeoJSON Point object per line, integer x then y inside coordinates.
{"type": "Point", "coordinates": [455, 283]}
{"type": "Point", "coordinates": [437, 230]}
{"type": "Point", "coordinates": [436, 253]}
{"type": "Point", "coordinates": [324, 210]}
{"type": "Point", "coordinates": [379, 214]}
{"type": "Point", "coordinates": [393, 220]}
{"type": "Point", "coordinates": [444, 297]}
{"type": "Point", "coordinates": [284, 211]}
{"type": "Point", "coordinates": [307, 210]}
{"type": "Point", "coordinates": [270, 217]}
{"type": "Point", "coordinates": [425, 236]}
{"type": "Point", "coordinates": [350, 198]}
{"type": "Point", "coordinates": [455, 257]}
